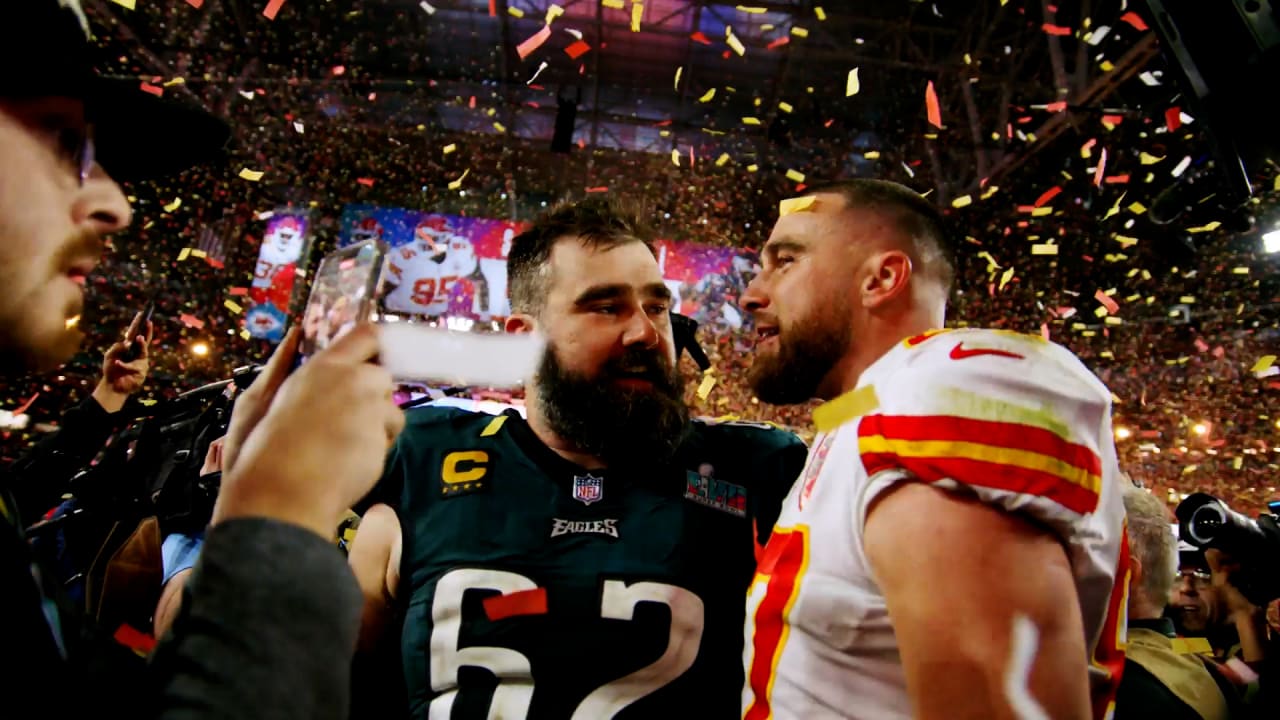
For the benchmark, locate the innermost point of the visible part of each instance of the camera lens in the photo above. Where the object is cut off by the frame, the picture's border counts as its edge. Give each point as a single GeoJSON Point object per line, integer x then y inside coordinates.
{"type": "Point", "coordinates": [1205, 523]}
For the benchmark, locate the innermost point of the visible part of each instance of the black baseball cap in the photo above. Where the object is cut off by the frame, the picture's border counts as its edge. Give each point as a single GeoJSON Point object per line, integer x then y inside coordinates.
{"type": "Point", "coordinates": [46, 50]}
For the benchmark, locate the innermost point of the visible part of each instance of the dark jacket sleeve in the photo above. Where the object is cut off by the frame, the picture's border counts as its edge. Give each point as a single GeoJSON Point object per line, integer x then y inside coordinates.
{"type": "Point", "coordinates": [267, 628]}
{"type": "Point", "coordinates": [39, 478]}
{"type": "Point", "coordinates": [1143, 697]}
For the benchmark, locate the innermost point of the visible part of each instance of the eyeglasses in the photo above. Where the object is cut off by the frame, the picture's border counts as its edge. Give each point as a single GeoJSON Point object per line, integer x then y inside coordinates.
{"type": "Point", "coordinates": [76, 147]}
{"type": "Point", "coordinates": [1198, 578]}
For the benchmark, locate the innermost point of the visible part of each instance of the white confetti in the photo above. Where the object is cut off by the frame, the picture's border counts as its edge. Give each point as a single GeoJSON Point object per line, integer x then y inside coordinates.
{"type": "Point", "coordinates": [427, 7]}
{"type": "Point", "coordinates": [246, 94]}
{"type": "Point", "coordinates": [297, 126]}
{"type": "Point", "coordinates": [541, 67]}
{"type": "Point", "coordinates": [1182, 166]}
{"type": "Point", "coordinates": [1097, 36]}
{"type": "Point", "coordinates": [576, 33]}
{"type": "Point", "coordinates": [1149, 79]}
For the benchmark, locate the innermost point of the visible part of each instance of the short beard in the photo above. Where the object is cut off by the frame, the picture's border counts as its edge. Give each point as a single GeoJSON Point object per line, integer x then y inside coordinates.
{"type": "Point", "coordinates": [622, 427]}
{"type": "Point", "coordinates": [807, 351]}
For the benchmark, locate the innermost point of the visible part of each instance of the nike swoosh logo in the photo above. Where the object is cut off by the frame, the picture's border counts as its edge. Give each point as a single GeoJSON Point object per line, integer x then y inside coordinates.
{"type": "Point", "coordinates": [960, 352]}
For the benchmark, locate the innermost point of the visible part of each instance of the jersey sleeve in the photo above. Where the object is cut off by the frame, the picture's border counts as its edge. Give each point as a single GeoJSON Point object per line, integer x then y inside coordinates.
{"type": "Point", "coordinates": [780, 467]}
{"type": "Point", "coordinates": [1024, 427]}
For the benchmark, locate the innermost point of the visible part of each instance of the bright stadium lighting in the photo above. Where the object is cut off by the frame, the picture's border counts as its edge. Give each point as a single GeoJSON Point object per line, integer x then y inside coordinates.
{"type": "Point", "coordinates": [1200, 428]}
{"type": "Point", "coordinates": [1123, 433]}
{"type": "Point", "coordinates": [1271, 241]}
{"type": "Point", "coordinates": [200, 349]}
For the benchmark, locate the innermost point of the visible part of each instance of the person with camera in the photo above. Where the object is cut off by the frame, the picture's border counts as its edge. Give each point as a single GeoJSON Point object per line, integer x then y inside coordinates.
{"type": "Point", "coordinates": [271, 613]}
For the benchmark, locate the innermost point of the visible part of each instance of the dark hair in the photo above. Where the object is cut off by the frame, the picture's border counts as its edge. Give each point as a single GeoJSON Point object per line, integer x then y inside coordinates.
{"type": "Point", "coordinates": [916, 217]}
{"type": "Point", "coordinates": [597, 222]}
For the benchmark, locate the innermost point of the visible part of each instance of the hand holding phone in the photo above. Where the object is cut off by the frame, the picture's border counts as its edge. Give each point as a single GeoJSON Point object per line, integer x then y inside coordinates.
{"type": "Point", "coordinates": [132, 338]}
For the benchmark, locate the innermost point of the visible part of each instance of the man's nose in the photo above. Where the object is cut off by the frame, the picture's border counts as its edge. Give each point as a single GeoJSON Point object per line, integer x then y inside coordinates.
{"type": "Point", "coordinates": [754, 298]}
{"type": "Point", "coordinates": [640, 330]}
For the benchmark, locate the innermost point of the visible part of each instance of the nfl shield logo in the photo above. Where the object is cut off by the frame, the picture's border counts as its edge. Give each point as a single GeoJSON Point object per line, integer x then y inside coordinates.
{"type": "Point", "coordinates": [587, 488]}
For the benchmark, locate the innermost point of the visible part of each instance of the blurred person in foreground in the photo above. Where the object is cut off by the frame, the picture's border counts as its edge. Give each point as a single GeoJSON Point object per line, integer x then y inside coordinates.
{"type": "Point", "coordinates": [589, 562]}
{"type": "Point", "coordinates": [965, 483]}
{"type": "Point", "coordinates": [1163, 679]}
{"type": "Point", "coordinates": [273, 611]}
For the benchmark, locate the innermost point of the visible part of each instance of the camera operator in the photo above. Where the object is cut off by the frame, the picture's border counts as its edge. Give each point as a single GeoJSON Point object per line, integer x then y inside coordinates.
{"type": "Point", "coordinates": [1240, 619]}
{"type": "Point", "coordinates": [38, 479]}
{"type": "Point", "coordinates": [269, 619]}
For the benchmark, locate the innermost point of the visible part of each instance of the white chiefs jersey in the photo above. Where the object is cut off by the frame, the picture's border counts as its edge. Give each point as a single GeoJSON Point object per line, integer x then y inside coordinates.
{"type": "Point", "coordinates": [1012, 419]}
{"type": "Point", "coordinates": [421, 284]}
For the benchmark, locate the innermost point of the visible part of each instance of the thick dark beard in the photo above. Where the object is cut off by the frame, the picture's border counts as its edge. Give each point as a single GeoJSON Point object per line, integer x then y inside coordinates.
{"type": "Point", "coordinates": [620, 426]}
{"type": "Point", "coordinates": [807, 351]}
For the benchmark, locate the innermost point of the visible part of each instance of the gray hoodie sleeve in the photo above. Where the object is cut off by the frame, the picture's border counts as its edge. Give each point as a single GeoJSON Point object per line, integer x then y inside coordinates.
{"type": "Point", "coordinates": [267, 628]}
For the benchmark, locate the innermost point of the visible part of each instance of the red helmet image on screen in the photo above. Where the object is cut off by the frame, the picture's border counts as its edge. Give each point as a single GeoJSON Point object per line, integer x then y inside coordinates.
{"type": "Point", "coordinates": [366, 229]}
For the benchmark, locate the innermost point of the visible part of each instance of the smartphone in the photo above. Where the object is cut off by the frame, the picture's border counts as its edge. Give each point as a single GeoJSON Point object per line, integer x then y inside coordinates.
{"type": "Point", "coordinates": [344, 292]}
{"type": "Point", "coordinates": [134, 350]}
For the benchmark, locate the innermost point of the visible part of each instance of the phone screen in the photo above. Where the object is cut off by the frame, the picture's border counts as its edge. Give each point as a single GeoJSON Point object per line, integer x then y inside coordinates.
{"type": "Point", "coordinates": [342, 295]}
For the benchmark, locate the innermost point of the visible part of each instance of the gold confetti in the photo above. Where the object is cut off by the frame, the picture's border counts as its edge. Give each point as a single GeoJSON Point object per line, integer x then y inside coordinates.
{"type": "Point", "coordinates": [679, 72]}
{"type": "Point", "coordinates": [750, 121]}
{"type": "Point", "coordinates": [232, 305]}
{"type": "Point", "coordinates": [724, 158]}
{"type": "Point", "coordinates": [244, 333]}
{"type": "Point", "coordinates": [1107, 66]}
{"type": "Point", "coordinates": [1137, 208]}
{"type": "Point", "coordinates": [734, 42]}
{"type": "Point", "coordinates": [451, 147]}
{"type": "Point", "coordinates": [871, 154]}
{"type": "Point", "coordinates": [962, 201]}
{"type": "Point", "coordinates": [792, 205]}
{"type": "Point", "coordinates": [799, 31]}
{"type": "Point", "coordinates": [184, 254]}
{"type": "Point", "coordinates": [126, 4]}
{"type": "Point", "coordinates": [822, 14]}
{"type": "Point", "coordinates": [990, 191]}
{"type": "Point", "coordinates": [785, 107]}
{"type": "Point", "coordinates": [177, 203]}
{"type": "Point", "coordinates": [1237, 462]}
{"type": "Point", "coordinates": [175, 81]}
{"type": "Point", "coordinates": [499, 127]}
{"type": "Point", "coordinates": [1113, 320]}
{"type": "Point", "coordinates": [752, 10]}
{"type": "Point", "coordinates": [1006, 277]}
{"type": "Point", "coordinates": [515, 12]}
{"type": "Point", "coordinates": [1149, 159]}
{"type": "Point", "coordinates": [851, 405]}
{"type": "Point", "coordinates": [1126, 241]}
{"type": "Point", "coordinates": [706, 97]}
{"type": "Point", "coordinates": [195, 252]}
{"type": "Point", "coordinates": [73, 321]}
{"type": "Point", "coordinates": [852, 85]}
{"type": "Point", "coordinates": [615, 4]}
{"type": "Point", "coordinates": [705, 387]}
{"type": "Point", "coordinates": [455, 184]}
{"type": "Point", "coordinates": [1042, 211]}
{"type": "Point", "coordinates": [795, 176]}
{"type": "Point", "coordinates": [1240, 270]}
{"type": "Point", "coordinates": [1209, 227]}
{"type": "Point", "coordinates": [251, 175]}
{"type": "Point", "coordinates": [1044, 249]}
{"type": "Point", "coordinates": [675, 156]}
{"type": "Point", "coordinates": [753, 167]}
{"type": "Point", "coordinates": [1263, 364]}
{"type": "Point", "coordinates": [553, 12]}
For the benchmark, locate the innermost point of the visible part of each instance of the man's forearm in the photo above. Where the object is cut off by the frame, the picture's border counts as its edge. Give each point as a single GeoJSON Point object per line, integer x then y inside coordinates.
{"type": "Point", "coordinates": [1252, 628]}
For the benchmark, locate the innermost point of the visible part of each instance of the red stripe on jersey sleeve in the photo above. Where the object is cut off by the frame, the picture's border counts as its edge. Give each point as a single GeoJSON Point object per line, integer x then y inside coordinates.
{"type": "Point", "coordinates": [1015, 436]}
{"type": "Point", "coordinates": [991, 475]}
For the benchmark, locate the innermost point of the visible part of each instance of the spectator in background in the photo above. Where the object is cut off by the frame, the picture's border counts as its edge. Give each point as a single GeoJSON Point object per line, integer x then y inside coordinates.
{"type": "Point", "coordinates": [1160, 681]}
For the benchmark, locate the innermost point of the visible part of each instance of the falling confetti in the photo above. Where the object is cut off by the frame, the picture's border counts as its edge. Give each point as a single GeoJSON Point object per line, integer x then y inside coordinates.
{"type": "Point", "coordinates": [273, 7]}
{"type": "Point", "coordinates": [250, 175]}
{"type": "Point", "coordinates": [852, 85]}
{"type": "Point", "coordinates": [794, 205]}
{"type": "Point", "coordinates": [931, 106]}
{"type": "Point", "coordinates": [534, 42]}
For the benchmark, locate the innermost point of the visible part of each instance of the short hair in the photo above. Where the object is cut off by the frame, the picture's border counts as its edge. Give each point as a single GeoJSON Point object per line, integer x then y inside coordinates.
{"type": "Point", "coordinates": [600, 222]}
{"type": "Point", "coordinates": [915, 217]}
{"type": "Point", "coordinates": [1153, 543]}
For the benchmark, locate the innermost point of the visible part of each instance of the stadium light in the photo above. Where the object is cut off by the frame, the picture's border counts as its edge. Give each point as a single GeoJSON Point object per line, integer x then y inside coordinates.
{"type": "Point", "coordinates": [200, 349]}
{"type": "Point", "coordinates": [1271, 241]}
{"type": "Point", "coordinates": [1123, 433]}
{"type": "Point", "coordinates": [1200, 428]}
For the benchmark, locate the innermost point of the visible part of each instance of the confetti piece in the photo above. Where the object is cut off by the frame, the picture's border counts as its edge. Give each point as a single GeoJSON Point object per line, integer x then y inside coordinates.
{"type": "Point", "coordinates": [851, 405]}
{"type": "Point", "coordinates": [195, 3]}
{"type": "Point", "coordinates": [1006, 277]}
{"type": "Point", "coordinates": [541, 66]}
{"type": "Point", "coordinates": [499, 127]}
{"type": "Point", "coordinates": [679, 71]}
{"type": "Point", "coordinates": [962, 201]}
{"type": "Point", "coordinates": [1044, 330]}
{"type": "Point", "coordinates": [1086, 150]}
{"type": "Point", "coordinates": [600, 189]}
{"type": "Point", "coordinates": [697, 37]}
{"type": "Point", "coordinates": [799, 31]}
{"type": "Point", "coordinates": [752, 10]}
{"type": "Point", "coordinates": [785, 107]}
{"type": "Point", "coordinates": [734, 43]}
{"type": "Point", "coordinates": [195, 252]}
{"type": "Point", "coordinates": [675, 157]}
{"type": "Point", "coordinates": [874, 155]}
{"type": "Point", "coordinates": [1106, 66]}
{"type": "Point", "coordinates": [273, 7]}
{"type": "Point", "coordinates": [72, 322]}
{"type": "Point", "coordinates": [1240, 270]}
{"type": "Point", "coordinates": [1173, 118]}
{"type": "Point", "coordinates": [1236, 463]}
{"type": "Point", "coordinates": [706, 97]}
{"type": "Point", "coordinates": [1058, 30]}
{"type": "Point", "coordinates": [822, 14]}
{"type": "Point", "coordinates": [778, 42]}
{"type": "Point", "coordinates": [1126, 241]}
{"type": "Point", "coordinates": [455, 184]}
{"type": "Point", "coordinates": [1044, 249]}
{"type": "Point", "coordinates": [191, 321]}
{"type": "Point", "coordinates": [534, 42]}
{"type": "Point", "coordinates": [126, 4]}
{"type": "Point", "coordinates": [1137, 208]}
{"type": "Point", "coordinates": [1210, 227]}
{"type": "Point", "coordinates": [297, 127]}
{"type": "Point", "coordinates": [931, 106]}
{"type": "Point", "coordinates": [427, 7]}
{"type": "Point", "coordinates": [232, 305]}
{"type": "Point", "coordinates": [515, 12]}
{"type": "Point", "coordinates": [1108, 303]}
{"type": "Point", "coordinates": [637, 12]}
{"type": "Point", "coordinates": [1262, 364]}
{"type": "Point", "coordinates": [1101, 169]}
{"type": "Point", "coordinates": [1041, 211]}
{"type": "Point", "coordinates": [577, 49]}
{"type": "Point", "coordinates": [1048, 195]}
{"type": "Point", "coordinates": [239, 291]}
{"type": "Point", "coordinates": [553, 12]}
{"type": "Point", "coordinates": [752, 167]}
{"type": "Point", "coordinates": [152, 89]}
{"type": "Point", "coordinates": [1132, 18]}
{"type": "Point", "coordinates": [793, 205]}
{"type": "Point", "coordinates": [795, 176]}
{"type": "Point", "coordinates": [705, 387]}
{"type": "Point", "coordinates": [1149, 159]}
{"type": "Point", "coordinates": [177, 203]}
{"type": "Point", "coordinates": [451, 147]}
{"type": "Point", "coordinates": [244, 334]}
{"type": "Point", "coordinates": [251, 175]}
{"type": "Point", "coordinates": [852, 85]}
{"type": "Point", "coordinates": [750, 121]}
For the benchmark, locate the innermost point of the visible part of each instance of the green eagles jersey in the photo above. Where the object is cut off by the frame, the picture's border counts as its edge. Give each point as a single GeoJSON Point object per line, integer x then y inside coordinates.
{"type": "Point", "coordinates": [537, 589]}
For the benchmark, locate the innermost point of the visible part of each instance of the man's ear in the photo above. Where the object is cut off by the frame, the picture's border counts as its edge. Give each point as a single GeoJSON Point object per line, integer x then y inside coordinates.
{"type": "Point", "coordinates": [886, 275]}
{"type": "Point", "coordinates": [520, 323]}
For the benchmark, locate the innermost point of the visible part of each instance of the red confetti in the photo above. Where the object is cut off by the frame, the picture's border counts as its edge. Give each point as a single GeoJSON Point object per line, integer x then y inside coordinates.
{"type": "Point", "coordinates": [195, 3]}
{"type": "Point", "coordinates": [23, 407]}
{"type": "Point", "coordinates": [1116, 179]}
{"type": "Point", "coordinates": [1056, 29]}
{"type": "Point", "coordinates": [578, 49]}
{"type": "Point", "coordinates": [493, 8]}
{"type": "Point", "coordinates": [600, 189]}
{"type": "Point", "coordinates": [215, 263]}
{"type": "Point", "coordinates": [1101, 169]}
{"type": "Point", "coordinates": [699, 37]}
{"type": "Point", "coordinates": [778, 43]}
{"type": "Point", "coordinates": [1107, 301]}
{"type": "Point", "coordinates": [472, 103]}
{"type": "Point", "coordinates": [523, 602]}
{"type": "Point", "coordinates": [339, 69]}
{"type": "Point", "coordinates": [367, 182]}
{"type": "Point", "coordinates": [191, 321]}
{"type": "Point", "coordinates": [828, 123]}
{"type": "Point", "coordinates": [139, 642]}
{"type": "Point", "coordinates": [1044, 330]}
{"type": "Point", "coordinates": [1219, 351]}
{"type": "Point", "coordinates": [1026, 208]}
{"type": "Point", "coordinates": [273, 7]}
{"type": "Point", "coordinates": [1132, 18]}
{"type": "Point", "coordinates": [1048, 195]}
{"type": "Point", "coordinates": [1056, 107]}
{"type": "Point", "coordinates": [931, 105]}
{"type": "Point", "coordinates": [664, 123]}
{"type": "Point", "coordinates": [153, 89]}
{"type": "Point", "coordinates": [1173, 118]}
{"type": "Point", "coordinates": [1201, 345]}
{"type": "Point", "coordinates": [534, 42]}
{"type": "Point", "coordinates": [239, 291]}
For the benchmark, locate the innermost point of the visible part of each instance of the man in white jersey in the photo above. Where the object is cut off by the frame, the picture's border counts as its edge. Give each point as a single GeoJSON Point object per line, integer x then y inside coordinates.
{"type": "Point", "coordinates": [964, 482]}
{"type": "Point", "coordinates": [421, 274]}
